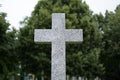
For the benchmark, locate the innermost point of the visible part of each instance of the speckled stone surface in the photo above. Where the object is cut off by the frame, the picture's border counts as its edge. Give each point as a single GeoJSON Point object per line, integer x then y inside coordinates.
{"type": "Point", "coordinates": [58, 35]}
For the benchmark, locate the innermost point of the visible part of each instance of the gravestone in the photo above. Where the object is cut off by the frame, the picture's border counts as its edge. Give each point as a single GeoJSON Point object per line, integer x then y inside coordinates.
{"type": "Point", "coordinates": [79, 78]}
{"type": "Point", "coordinates": [74, 78]}
{"type": "Point", "coordinates": [58, 35]}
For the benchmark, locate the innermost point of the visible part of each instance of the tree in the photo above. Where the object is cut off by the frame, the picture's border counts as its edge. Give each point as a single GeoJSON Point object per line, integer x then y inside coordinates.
{"type": "Point", "coordinates": [33, 58]}
{"type": "Point", "coordinates": [78, 16]}
{"type": "Point", "coordinates": [7, 49]}
{"type": "Point", "coordinates": [111, 52]}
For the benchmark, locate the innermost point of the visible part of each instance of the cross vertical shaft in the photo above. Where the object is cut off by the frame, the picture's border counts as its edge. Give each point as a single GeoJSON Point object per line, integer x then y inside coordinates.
{"type": "Point", "coordinates": [58, 48]}
{"type": "Point", "coordinates": [58, 61]}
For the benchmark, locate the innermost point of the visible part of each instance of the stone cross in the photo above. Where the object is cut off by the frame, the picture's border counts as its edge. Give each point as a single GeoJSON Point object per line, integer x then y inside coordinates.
{"type": "Point", "coordinates": [58, 35]}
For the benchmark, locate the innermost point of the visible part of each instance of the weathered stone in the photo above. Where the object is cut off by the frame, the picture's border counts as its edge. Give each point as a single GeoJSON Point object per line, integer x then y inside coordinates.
{"type": "Point", "coordinates": [58, 35]}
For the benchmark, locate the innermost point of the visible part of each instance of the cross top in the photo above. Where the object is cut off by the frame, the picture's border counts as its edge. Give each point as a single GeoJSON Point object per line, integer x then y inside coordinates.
{"type": "Point", "coordinates": [58, 31]}
{"type": "Point", "coordinates": [58, 35]}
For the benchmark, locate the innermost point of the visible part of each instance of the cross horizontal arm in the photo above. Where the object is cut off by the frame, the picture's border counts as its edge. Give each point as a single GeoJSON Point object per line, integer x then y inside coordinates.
{"type": "Point", "coordinates": [43, 35]}
{"type": "Point", "coordinates": [73, 35]}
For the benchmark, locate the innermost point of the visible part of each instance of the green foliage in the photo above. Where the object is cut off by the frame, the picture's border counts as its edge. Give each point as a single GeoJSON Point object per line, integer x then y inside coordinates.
{"type": "Point", "coordinates": [34, 58]}
{"type": "Point", "coordinates": [110, 55]}
{"type": "Point", "coordinates": [7, 48]}
{"type": "Point", "coordinates": [3, 28]}
{"type": "Point", "coordinates": [97, 56]}
{"type": "Point", "coordinates": [82, 58]}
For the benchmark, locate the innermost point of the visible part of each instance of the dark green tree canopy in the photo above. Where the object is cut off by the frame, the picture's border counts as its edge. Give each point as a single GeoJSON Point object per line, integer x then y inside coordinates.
{"type": "Point", "coordinates": [7, 48]}
{"type": "Point", "coordinates": [97, 56]}
{"type": "Point", "coordinates": [78, 16]}
{"type": "Point", "coordinates": [110, 55]}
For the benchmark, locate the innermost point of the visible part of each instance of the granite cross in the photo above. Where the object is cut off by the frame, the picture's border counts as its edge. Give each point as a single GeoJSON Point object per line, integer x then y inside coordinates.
{"type": "Point", "coordinates": [58, 35]}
